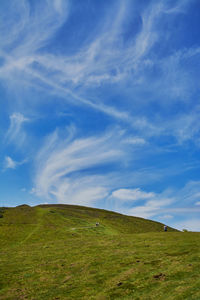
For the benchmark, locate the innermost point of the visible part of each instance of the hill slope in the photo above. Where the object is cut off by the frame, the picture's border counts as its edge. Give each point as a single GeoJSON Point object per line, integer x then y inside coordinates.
{"type": "Point", "coordinates": [57, 252]}
{"type": "Point", "coordinates": [78, 218]}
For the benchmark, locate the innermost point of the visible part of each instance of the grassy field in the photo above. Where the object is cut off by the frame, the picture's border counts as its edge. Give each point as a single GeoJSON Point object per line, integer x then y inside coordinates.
{"type": "Point", "coordinates": [57, 252]}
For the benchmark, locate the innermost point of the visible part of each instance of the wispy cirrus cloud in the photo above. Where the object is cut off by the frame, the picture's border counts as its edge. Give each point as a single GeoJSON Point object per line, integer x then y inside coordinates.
{"type": "Point", "coordinates": [167, 203]}
{"type": "Point", "coordinates": [15, 133]}
{"type": "Point", "coordinates": [131, 194]}
{"type": "Point", "coordinates": [64, 167]}
{"type": "Point", "coordinates": [189, 224]}
{"type": "Point", "coordinates": [10, 163]}
{"type": "Point", "coordinates": [69, 170]}
{"type": "Point", "coordinates": [129, 202]}
{"type": "Point", "coordinates": [105, 59]}
{"type": "Point", "coordinates": [30, 25]}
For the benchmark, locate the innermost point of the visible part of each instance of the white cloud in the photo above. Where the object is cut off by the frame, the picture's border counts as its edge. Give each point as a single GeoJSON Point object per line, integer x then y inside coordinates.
{"type": "Point", "coordinates": [32, 191]}
{"type": "Point", "coordinates": [86, 190]}
{"type": "Point", "coordinates": [9, 163]}
{"type": "Point", "coordinates": [197, 203]}
{"type": "Point", "coordinates": [167, 217]}
{"type": "Point", "coordinates": [64, 166]}
{"type": "Point", "coordinates": [153, 204]}
{"type": "Point", "coordinates": [64, 171]}
{"type": "Point", "coordinates": [132, 194]}
{"type": "Point", "coordinates": [33, 24]}
{"type": "Point", "coordinates": [189, 224]}
{"type": "Point", "coordinates": [152, 207]}
{"type": "Point", "coordinates": [178, 6]}
{"type": "Point", "coordinates": [92, 65]}
{"type": "Point", "coordinates": [170, 201]}
{"type": "Point", "coordinates": [189, 194]}
{"type": "Point", "coordinates": [59, 6]}
{"type": "Point", "coordinates": [104, 58]}
{"type": "Point", "coordinates": [15, 132]}
{"type": "Point", "coordinates": [135, 141]}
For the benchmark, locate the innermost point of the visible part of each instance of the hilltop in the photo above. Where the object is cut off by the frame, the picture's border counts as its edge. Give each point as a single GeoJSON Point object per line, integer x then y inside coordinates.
{"type": "Point", "coordinates": [79, 217]}
{"type": "Point", "coordinates": [58, 252]}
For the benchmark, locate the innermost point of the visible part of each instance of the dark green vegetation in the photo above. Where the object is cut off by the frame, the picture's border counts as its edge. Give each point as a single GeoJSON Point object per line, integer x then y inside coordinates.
{"type": "Point", "coordinates": [57, 252]}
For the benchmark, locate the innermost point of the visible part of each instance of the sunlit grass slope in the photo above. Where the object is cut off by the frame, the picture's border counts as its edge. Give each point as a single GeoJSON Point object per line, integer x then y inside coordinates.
{"type": "Point", "coordinates": [57, 252]}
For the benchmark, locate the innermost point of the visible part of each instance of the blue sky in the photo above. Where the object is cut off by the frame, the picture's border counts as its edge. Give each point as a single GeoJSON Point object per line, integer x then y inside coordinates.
{"type": "Point", "coordinates": [100, 106]}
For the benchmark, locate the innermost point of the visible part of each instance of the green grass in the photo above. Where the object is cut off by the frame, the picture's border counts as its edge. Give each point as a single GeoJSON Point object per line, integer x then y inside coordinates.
{"type": "Point", "coordinates": [56, 252]}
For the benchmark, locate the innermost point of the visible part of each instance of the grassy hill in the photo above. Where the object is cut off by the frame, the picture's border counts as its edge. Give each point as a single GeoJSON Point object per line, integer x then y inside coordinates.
{"type": "Point", "coordinates": [57, 252]}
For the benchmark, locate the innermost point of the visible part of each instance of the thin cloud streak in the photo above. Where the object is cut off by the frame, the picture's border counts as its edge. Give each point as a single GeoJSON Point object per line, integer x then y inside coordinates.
{"type": "Point", "coordinates": [170, 201]}
{"type": "Point", "coordinates": [99, 58]}
{"type": "Point", "coordinates": [64, 165]}
{"type": "Point", "coordinates": [15, 133]}
{"type": "Point", "coordinates": [10, 163]}
{"type": "Point", "coordinates": [92, 64]}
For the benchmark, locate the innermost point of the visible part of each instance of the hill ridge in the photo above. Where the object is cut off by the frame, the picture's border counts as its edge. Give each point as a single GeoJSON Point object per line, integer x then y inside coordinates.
{"type": "Point", "coordinates": [75, 216]}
